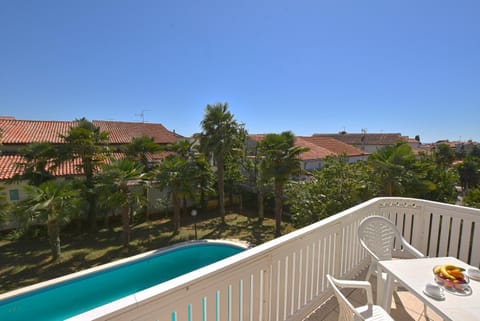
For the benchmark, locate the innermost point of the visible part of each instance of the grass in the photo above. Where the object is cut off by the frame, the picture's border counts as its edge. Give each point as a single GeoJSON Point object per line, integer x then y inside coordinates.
{"type": "Point", "coordinates": [27, 261]}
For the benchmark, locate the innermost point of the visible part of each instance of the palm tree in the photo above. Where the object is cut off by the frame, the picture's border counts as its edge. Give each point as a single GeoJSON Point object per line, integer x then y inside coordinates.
{"type": "Point", "coordinates": [279, 160]}
{"type": "Point", "coordinates": [52, 203]}
{"type": "Point", "coordinates": [39, 161]}
{"type": "Point", "coordinates": [139, 150]}
{"type": "Point", "coordinates": [176, 174]}
{"type": "Point", "coordinates": [221, 134]}
{"type": "Point", "coordinates": [115, 189]}
{"type": "Point", "coordinates": [443, 155]}
{"type": "Point", "coordinates": [198, 167]}
{"type": "Point", "coordinates": [254, 180]}
{"type": "Point", "coordinates": [183, 148]}
{"type": "Point", "coordinates": [4, 206]}
{"type": "Point", "coordinates": [397, 171]}
{"type": "Point", "coordinates": [88, 143]}
{"type": "Point", "coordinates": [469, 173]}
{"type": "Point", "coordinates": [202, 173]}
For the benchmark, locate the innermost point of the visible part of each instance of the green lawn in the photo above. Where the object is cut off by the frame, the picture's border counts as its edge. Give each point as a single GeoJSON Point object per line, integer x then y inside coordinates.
{"type": "Point", "coordinates": [28, 261]}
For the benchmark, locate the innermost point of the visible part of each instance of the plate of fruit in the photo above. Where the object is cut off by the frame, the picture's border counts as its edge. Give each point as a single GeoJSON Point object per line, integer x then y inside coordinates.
{"type": "Point", "coordinates": [452, 278]}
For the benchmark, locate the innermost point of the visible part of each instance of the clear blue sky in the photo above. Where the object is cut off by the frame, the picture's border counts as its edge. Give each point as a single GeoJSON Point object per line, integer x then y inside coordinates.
{"type": "Point", "coordinates": [320, 66]}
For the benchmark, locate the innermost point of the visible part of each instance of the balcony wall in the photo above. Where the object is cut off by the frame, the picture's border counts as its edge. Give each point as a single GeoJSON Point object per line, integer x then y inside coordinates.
{"type": "Point", "coordinates": [284, 279]}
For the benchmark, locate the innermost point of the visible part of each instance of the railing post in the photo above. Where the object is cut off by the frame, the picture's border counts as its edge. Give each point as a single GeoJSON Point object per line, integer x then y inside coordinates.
{"type": "Point", "coordinates": [339, 248]}
{"type": "Point", "coordinates": [420, 229]}
{"type": "Point", "coordinates": [266, 304]}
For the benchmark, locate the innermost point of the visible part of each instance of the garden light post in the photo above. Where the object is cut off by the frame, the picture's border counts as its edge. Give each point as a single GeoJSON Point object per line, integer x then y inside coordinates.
{"type": "Point", "coordinates": [194, 215]}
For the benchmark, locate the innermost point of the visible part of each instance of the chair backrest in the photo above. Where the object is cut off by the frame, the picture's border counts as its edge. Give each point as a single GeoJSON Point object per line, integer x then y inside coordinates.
{"type": "Point", "coordinates": [377, 234]}
{"type": "Point", "coordinates": [347, 311]}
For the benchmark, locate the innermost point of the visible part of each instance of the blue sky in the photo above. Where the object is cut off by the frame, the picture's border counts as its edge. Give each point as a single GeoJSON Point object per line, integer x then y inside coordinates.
{"type": "Point", "coordinates": [409, 66]}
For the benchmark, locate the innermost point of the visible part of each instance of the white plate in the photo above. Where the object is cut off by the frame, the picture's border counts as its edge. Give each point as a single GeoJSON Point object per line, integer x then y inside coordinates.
{"type": "Point", "coordinates": [436, 297]}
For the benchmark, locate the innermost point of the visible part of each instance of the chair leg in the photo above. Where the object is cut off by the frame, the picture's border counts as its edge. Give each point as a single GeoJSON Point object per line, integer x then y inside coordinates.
{"type": "Point", "coordinates": [369, 272]}
{"type": "Point", "coordinates": [387, 291]}
{"type": "Point", "coordinates": [380, 287]}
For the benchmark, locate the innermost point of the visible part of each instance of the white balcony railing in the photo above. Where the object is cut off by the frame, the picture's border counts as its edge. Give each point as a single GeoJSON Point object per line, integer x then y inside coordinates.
{"type": "Point", "coordinates": [284, 279]}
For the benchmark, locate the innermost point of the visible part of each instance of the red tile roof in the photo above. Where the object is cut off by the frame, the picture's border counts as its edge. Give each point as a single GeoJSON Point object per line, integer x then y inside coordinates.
{"type": "Point", "coordinates": [29, 131]}
{"type": "Point", "coordinates": [368, 138]}
{"type": "Point", "coordinates": [257, 137]}
{"type": "Point", "coordinates": [8, 166]}
{"type": "Point", "coordinates": [123, 132]}
{"type": "Point", "coordinates": [314, 152]}
{"type": "Point", "coordinates": [319, 147]}
{"type": "Point", "coordinates": [334, 145]}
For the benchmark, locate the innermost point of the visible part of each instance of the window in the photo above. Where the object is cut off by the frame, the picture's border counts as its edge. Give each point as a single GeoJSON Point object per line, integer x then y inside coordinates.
{"type": "Point", "coordinates": [14, 196]}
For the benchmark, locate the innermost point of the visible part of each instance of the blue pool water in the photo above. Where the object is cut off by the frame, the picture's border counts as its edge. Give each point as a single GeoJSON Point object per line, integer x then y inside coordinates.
{"type": "Point", "coordinates": [75, 296]}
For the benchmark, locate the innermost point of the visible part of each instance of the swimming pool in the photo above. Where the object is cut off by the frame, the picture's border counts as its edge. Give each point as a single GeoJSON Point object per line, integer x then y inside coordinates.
{"type": "Point", "coordinates": [65, 297]}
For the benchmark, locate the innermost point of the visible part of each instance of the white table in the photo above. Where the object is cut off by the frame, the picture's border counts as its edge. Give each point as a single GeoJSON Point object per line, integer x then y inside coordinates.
{"type": "Point", "coordinates": [413, 274]}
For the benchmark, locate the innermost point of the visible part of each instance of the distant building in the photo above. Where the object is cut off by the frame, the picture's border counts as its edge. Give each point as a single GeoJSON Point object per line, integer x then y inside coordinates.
{"type": "Point", "coordinates": [18, 133]}
{"type": "Point", "coordinates": [15, 134]}
{"type": "Point", "coordinates": [319, 149]}
{"type": "Point", "coordinates": [459, 146]}
{"type": "Point", "coordinates": [369, 142]}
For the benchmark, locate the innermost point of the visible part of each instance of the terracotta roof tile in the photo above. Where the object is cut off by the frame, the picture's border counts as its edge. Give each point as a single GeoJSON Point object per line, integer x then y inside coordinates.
{"type": "Point", "coordinates": [123, 132]}
{"type": "Point", "coordinates": [314, 152]}
{"type": "Point", "coordinates": [8, 166]}
{"type": "Point", "coordinates": [320, 147]}
{"type": "Point", "coordinates": [369, 138]}
{"type": "Point", "coordinates": [68, 168]}
{"type": "Point", "coordinates": [29, 131]}
{"type": "Point", "coordinates": [256, 137]}
{"type": "Point", "coordinates": [334, 145]}
{"type": "Point", "coordinates": [158, 156]}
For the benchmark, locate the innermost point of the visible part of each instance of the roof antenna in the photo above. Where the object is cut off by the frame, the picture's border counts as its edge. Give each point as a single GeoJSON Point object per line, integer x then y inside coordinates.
{"type": "Point", "coordinates": [362, 138]}
{"type": "Point", "coordinates": [142, 114]}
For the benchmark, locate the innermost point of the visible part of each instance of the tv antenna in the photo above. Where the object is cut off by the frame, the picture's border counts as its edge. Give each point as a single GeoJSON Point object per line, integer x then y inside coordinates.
{"type": "Point", "coordinates": [142, 114]}
{"type": "Point", "coordinates": [362, 138]}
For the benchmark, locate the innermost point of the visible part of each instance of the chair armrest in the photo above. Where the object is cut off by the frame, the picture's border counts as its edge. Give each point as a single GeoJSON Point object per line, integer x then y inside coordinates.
{"type": "Point", "coordinates": [372, 254]}
{"type": "Point", "coordinates": [354, 284]}
{"type": "Point", "coordinates": [412, 250]}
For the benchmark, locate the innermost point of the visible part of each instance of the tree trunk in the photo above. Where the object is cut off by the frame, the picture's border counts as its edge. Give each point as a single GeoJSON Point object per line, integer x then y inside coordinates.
{"type": "Point", "coordinates": [146, 208]}
{"type": "Point", "coordinates": [91, 197]}
{"type": "Point", "coordinates": [203, 199]}
{"type": "Point", "coordinates": [389, 189]}
{"type": "Point", "coordinates": [54, 238]}
{"type": "Point", "coordinates": [126, 226]}
{"type": "Point", "coordinates": [260, 200]}
{"type": "Point", "coordinates": [106, 220]}
{"type": "Point", "coordinates": [221, 187]}
{"type": "Point", "coordinates": [176, 212]}
{"type": "Point", "coordinates": [278, 208]}
{"type": "Point", "coordinates": [230, 198]}
{"type": "Point", "coordinates": [184, 206]}
{"type": "Point", "coordinates": [92, 215]}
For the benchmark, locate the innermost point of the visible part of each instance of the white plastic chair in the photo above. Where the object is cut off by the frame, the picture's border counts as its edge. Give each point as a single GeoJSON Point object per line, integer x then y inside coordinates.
{"type": "Point", "coordinates": [347, 312]}
{"type": "Point", "coordinates": [378, 235]}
